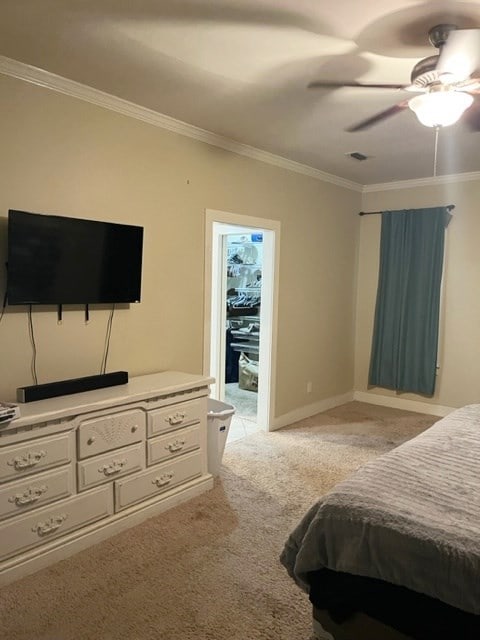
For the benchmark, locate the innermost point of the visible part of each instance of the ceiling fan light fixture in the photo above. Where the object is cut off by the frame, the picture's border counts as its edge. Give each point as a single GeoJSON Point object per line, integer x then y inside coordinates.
{"type": "Point", "coordinates": [440, 108]}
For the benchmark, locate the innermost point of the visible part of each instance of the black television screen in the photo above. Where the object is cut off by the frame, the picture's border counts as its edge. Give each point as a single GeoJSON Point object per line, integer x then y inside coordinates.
{"type": "Point", "coordinates": [59, 260]}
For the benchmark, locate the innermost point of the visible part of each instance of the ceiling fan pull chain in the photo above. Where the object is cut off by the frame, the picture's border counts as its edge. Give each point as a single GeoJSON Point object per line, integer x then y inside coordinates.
{"type": "Point", "coordinates": [437, 129]}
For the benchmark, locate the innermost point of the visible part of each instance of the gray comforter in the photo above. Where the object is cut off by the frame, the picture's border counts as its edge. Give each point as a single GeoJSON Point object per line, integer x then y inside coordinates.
{"type": "Point", "coordinates": [410, 517]}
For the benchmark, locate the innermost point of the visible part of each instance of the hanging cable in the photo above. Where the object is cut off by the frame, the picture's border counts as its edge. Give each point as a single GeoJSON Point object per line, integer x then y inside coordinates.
{"type": "Point", "coordinates": [5, 297]}
{"type": "Point", "coordinates": [107, 341]}
{"type": "Point", "coordinates": [4, 306]}
{"type": "Point", "coordinates": [34, 346]}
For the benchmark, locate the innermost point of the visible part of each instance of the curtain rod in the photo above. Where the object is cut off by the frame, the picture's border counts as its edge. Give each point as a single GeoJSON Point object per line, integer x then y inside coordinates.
{"type": "Point", "coordinates": [374, 213]}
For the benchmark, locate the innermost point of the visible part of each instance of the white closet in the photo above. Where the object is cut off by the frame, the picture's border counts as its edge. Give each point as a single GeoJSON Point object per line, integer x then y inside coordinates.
{"type": "Point", "coordinates": [244, 283]}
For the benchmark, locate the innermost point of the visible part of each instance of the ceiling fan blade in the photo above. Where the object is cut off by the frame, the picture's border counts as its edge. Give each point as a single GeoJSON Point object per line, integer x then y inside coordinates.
{"type": "Point", "coordinates": [326, 84]}
{"type": "Point", "coordinates": [472, 85]}
{"type": "Point", "coordinates": [378, 117]}
{"type": "Point", "coordinates": [471, 117]}
{"type": "Point", "coordinates": [460, 55]}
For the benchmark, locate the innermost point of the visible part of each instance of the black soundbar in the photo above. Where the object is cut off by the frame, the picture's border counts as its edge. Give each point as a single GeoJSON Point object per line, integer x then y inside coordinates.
{"type": "Point", "coordinates": [66, 387]}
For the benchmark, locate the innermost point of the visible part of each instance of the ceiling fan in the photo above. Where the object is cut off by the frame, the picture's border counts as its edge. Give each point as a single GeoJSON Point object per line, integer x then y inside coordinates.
{"type": "Point", "coordinates": [444, 81]}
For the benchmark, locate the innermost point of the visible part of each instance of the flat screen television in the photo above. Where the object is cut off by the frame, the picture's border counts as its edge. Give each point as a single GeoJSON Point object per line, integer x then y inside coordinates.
{"type": "Point", "coordinates": [60, 260]}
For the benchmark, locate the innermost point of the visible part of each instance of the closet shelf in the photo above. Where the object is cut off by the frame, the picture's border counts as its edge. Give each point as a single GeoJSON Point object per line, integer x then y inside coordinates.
{"type": "Point", "coordinates": [245, 334]}
{"type": "Point", "coordinates": [245, 347]}
{"type": "Point", "coordinates": [241, 311]}
{"type": "Point", "coordinates": [251, 318]}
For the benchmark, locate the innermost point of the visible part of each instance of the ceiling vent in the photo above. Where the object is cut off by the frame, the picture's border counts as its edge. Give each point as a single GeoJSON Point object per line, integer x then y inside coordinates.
{"type": "Point", "coordinates": [356, 155]}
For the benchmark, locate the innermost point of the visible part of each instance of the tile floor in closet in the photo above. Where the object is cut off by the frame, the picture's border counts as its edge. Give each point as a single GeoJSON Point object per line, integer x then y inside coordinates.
{"type": "Point", "coordinates": [244, 421]}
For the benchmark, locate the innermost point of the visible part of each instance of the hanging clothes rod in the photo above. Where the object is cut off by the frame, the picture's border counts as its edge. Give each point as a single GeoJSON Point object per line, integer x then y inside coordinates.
{"type": "Point", "coordinates": [374, 213]}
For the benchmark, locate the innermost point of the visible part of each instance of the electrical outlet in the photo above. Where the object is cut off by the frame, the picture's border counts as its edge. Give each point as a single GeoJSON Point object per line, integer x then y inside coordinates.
{"type": "Point", "coordinates": [309, 387]}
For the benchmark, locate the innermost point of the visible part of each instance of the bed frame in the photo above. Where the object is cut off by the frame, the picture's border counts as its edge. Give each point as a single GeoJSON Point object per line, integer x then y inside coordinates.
{"type": "Point", "coordinates": [358, 627]}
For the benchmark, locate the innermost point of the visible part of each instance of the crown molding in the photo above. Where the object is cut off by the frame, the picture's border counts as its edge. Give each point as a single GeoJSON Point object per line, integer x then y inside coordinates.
{"type": "Point", "coordinates": [48, 80]}
{"type": "Point", "coordinates": [422, 182]}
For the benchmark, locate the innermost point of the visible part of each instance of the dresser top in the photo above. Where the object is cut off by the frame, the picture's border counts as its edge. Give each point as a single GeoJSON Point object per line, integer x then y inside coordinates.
{"type": "Point", "coordinates": [138, 388]}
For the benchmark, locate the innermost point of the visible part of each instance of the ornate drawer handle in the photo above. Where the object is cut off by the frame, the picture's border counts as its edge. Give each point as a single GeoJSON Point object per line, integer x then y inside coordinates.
{"type": "Point", "coordinates": [176, 418]}
{"type": "Point", "coordinates": [32, 494]}
{"type": "Point", "coordinates": [30, 459]}
{"type": "Point", "coordinates": [166, 478]}
{"type": "Point", "coordinates": [44, 528]}
{"type": "Point", "coordinates": [114, 467]}
{"type": "Point", "coordinates": [175, 446]}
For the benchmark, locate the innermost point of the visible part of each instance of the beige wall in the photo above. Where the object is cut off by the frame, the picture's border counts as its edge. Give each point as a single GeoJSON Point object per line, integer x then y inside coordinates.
{"type": "Point", "coordinates": [459, 348]}
{"type": "Point", "coordinates": [61, 155]}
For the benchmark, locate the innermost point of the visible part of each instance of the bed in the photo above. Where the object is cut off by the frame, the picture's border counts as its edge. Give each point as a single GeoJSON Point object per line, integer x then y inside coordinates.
{"type": "Point", "coordinates": [393, 551]}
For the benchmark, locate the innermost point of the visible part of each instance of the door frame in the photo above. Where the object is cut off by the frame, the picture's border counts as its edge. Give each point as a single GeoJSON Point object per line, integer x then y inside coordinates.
{"type": "Point", "coordinates": [217, 225]}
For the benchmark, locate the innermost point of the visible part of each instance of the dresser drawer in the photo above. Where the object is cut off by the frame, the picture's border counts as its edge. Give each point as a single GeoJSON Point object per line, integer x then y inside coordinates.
{"type": "Point", "coordinates": [156, 480]}
{"type": "Point", "coordinates": [105, 433]}
{"type": "Point", "coordinates": [172, 444]}
{"type": "Point", "coordinates": [36, 491]}
{"type": "Point", "coordinates": [175, 416]}
{"type": "Point", "coordinates": [100, 469]}
{"type": "Point", "coordinates": [48, 523]}
{"type": "Point", "coordinates": [36, 455]}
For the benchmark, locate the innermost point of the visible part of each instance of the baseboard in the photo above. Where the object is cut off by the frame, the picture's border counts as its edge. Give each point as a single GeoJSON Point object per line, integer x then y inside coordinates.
{"type": "Point", "coordinates": [361, 396]}
{"type": "Point", "coordinates": [400, 403]}
{"type": "Point", "coordinates": [310, 410]}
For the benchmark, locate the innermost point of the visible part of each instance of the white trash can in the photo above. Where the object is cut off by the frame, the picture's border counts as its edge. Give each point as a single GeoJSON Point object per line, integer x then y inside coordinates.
{"type": "Point", "coordinates": [219, 417]}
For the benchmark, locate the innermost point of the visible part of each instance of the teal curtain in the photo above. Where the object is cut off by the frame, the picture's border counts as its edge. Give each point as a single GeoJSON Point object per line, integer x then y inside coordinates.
{"type": "Point", "coordinates": [405, 335]}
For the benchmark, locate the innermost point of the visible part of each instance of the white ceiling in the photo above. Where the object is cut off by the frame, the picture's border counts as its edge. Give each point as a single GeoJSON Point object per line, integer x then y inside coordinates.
{"type": "Point", "coordinates": [240, 68]}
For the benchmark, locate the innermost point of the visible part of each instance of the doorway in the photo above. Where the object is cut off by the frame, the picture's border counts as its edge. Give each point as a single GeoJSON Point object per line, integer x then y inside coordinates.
{"type": "Point", "coordinates": [225, 233]}
{"type": "Point", "coordinates": [243, 262]}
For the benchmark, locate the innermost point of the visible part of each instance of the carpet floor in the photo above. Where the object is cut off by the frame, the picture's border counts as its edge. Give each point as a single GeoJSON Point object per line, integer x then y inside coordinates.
{"type": "Point", "coordinates": [209, 569]}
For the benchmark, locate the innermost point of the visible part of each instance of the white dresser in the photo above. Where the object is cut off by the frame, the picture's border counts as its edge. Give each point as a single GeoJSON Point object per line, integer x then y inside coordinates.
{"type": "Point", "coordinates": [77, 469]}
